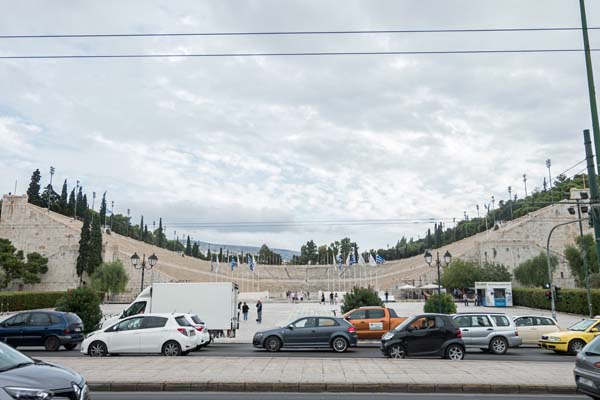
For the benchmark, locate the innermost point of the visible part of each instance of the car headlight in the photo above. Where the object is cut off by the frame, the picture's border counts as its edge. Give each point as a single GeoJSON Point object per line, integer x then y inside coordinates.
{"type": "Point", "coordinates": [258, 334]}
{"type": "Point", "coordinates": [553, 339]}
{"type": "Point", "coordinates": [27, 393]}
{"type": "Point", "coordinates": [387, 336]}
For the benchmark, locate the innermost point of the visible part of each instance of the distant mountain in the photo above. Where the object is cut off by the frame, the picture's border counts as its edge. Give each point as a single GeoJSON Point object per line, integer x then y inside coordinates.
{"type": "Point", "coordinates": [204, 246]}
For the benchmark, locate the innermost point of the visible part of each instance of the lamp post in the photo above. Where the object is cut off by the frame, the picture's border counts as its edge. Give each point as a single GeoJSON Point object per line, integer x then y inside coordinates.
{"type": "Point", "coordinates": [438, 264]}
{"type": "Point", "coordinates": [510, 200]}
{"type": "Point", "coordinates": [135, 261]}
{"type": "Point", "coordinates": [50, 187]}
{"type": "Point", "coordinates": [525, 183]}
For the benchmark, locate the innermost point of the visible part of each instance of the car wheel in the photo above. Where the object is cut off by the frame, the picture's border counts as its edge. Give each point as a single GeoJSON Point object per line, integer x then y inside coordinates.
{"type": "Point", "coordinates": [498, 345]}
{"type": "Point", "coordinates": [455, 352]}
{"type": "Point", "coordinates": [272, 344]}
{"type": "Point", "coordinates": [185, 353]}
{"type": "Point", "coordinates": [52, 343]}
{"type": "Point", "coordinates": [171, 349]}
{"type": "Point", "coordinates": [575, 346]}
{"type": "Point", "coordinates": [339, 344]}
{"type": "Point", "coordinates": [97, 349]}
{"type": "Point", "coordinates": [70, 346]}
{"type": "Point", "coordinates": [397, 351]}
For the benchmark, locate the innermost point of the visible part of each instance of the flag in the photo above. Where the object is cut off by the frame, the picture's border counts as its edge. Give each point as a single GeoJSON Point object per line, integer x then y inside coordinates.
{"type": "Point", "coordinates": [379, 259]}
{"type": "Point", "coordinates": [233, 264]}
{"type": "Point", "coordinates": [251, 264]}
{"type": "Point", "coordinates": [340, 262]}
{"type": "Point", "coordinates": [217, 266]}
{"type": "Point", "coordinates": [361, 260]}
{"type": "Point", "coordinates": [372, 261]}
{"type": "Point", "coordinates": [212, 267]}
{"type": "Point", "coordinates": [350, 260]}
{"type": "Point", "coordinates": [237, 260]}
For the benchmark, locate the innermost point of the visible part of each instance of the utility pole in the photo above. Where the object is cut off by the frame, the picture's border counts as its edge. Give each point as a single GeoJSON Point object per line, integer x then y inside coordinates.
{"type": "Point", "coordinates": [50, 187]}
{"type": "Point", "coordinates": [594, 196]}
{"type": "Point", "coordinates": [525, 182]}
{"type": "Point", "coordinates": [75, 206]}
{"type": "Point", "coordinates": [510, 201]}
{"type": "Point", "coordinates": [548, 165]}
{"type": "Point", "coordinates": [112, 212]}
{"type": "Point", "coordinates": [590, 79]}
{"type": "Point", "coordinates": [93, 200]}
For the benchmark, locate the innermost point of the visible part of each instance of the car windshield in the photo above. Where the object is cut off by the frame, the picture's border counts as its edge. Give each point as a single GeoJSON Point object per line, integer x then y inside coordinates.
{"type": "Point", "coordinates": [197, 320]}
{"type": "Point", "coordinates": [404, 324]}
{"type": "Point", "coordinates": [582, 325]}
{"type": "Point", "coordinates": [11, 358]}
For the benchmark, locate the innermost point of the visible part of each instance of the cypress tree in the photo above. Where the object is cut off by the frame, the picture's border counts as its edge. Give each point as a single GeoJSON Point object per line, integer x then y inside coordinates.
{"type": "Point", "coordinates": [95, 245]}
{"type": "Point", "coordinates": [141, 229]}
{"type": "Point", "coordinates": [146, 236]}
{"type": "Point", "coordinates": [63, 205]}
{"type": "Point", "coordinates": [160, 236]}
{"type": "Point", "coordinates": [33, 192]}
{"type": "Point", "coordinates": [208, 254]}
{"type": "Point", "coordinates": [188, 247]}
{"type": "Point", "coordinates": [103, 210]}
{"type": "Point", "coordinates": [195, 250]}
{"type": "Point", "coordinates": [84, 248]}
{"type": "Point", "coordinates": [82, 204]}
{"type": "Point", "coordinates": [71, 204]}
{"type": "Point", "coordinates": [220, 254]}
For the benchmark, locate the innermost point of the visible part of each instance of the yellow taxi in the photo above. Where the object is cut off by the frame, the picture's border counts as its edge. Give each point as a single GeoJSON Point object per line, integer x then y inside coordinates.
{"type": "Point", "coordinates": [573, 339]}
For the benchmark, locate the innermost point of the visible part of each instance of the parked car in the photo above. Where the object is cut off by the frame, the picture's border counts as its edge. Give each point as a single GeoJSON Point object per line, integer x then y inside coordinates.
{"type": "Point", "coordinates": [425, 335]}
{"type": "Point", "coordinates": [573, 339]}
{"type": "Point", "coordinates": [587, 369]}
{"type": "Point", "coordinates": [202, 336]}
{"type": "Point", "coordinates": [25, 378]}
{"type": "Point", "coordinates": [166, 334]}
{"type": "Point", "coordinates": [373, 322]}
{"type": "Point", "coordinates": [531, 328]}
{"type": "Point", "coordinates": [50, 329]}
{"type": "Point", "coordinates": [325, 332]}
{"type": "Point", "coordinates": [493, 332]}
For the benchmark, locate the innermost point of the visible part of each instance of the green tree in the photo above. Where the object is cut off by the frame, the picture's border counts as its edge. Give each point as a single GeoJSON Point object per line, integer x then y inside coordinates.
{"type": "Point", "coordinates": [15, 267]}
{"type": "Point", "coordinates": [188, 247]}
{"type": "Point", "coordinates": [33, 192]}
{"type": "Point", "coordinates": [102, 211]}
{"type": "Point", "coordinates": [360, 297]}
{"type": "Point", "coordinates": [71, 204]}
{"type": "Point", "coordinates": [534, 272]}
{"type": "Point", "coordinates": [110, 278]}
{"type": "Point", "coordinates": [63, 201]}
{"type": "Point", "coordinates": [95, 257]}
{"type": "Point", "coordinates": [84, 302]}
{"type": "Point", "coordinates": [575, 258]}
{"type": "Point", "coordinates": [432, 304]}
{"type": "Point", "coordinates": [81, 206]}
{"type": "Point", "coordinates": [196, 251]}
{"type": "Point", "coordinates": [460, 274]}
{"type": "Point", "coordinates": [84, 248]}
{"type": "Point", "coordinates": [160, 235]}
{"type": "Point", "coordinates": [490, 272]}
{"type": "Point", "coordinates": [142, 238]}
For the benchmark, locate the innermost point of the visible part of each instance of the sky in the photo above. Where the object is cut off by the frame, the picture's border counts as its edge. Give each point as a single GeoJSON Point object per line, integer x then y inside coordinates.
{"type": "Point", "coordinates": [320, 138]}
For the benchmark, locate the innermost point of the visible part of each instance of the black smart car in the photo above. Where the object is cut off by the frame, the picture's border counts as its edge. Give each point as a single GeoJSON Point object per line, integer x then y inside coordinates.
{"type": "Point", "coordinates": [425, 335]}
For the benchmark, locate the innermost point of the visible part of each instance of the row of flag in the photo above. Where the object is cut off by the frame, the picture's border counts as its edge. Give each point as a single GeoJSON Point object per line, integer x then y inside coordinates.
{"type": "Point", "coordinates": [235, 262]}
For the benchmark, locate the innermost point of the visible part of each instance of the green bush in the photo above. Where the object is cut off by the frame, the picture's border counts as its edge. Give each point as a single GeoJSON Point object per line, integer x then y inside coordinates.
{"type": "Point", "coordinates": [84, 302]}
{"type": "Point", "coordinates": [18, 301]}
{"type": "Point", "coordinates": [361, 297]}
{"type": "Point", "coordinates": [448, 305]}
{"type": "Point", "coordinates": [572, 301]}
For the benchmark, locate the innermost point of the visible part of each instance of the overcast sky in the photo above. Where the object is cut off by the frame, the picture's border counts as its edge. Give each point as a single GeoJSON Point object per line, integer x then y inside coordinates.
{"type": "Point", "coordinates": [294, 138]}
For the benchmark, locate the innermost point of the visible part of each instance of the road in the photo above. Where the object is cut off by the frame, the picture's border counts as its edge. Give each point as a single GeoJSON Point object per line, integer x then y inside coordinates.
{"type": "Point", "coordinates": [369, 351]}
{"type": "Point", "coordinates": [323, 396]}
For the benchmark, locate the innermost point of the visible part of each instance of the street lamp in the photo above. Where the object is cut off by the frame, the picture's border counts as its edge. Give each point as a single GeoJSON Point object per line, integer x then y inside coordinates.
{"type": "Point", "coordinates": [135, 261]}
{"type": "Point", "coordinates": [438, 264]}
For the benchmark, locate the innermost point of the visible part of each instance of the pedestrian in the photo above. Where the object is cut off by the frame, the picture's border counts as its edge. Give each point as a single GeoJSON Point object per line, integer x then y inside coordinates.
{"type": "Point", "coordinates": [386, 296]}
{"type": "Point", "coordinates": [259, 312]}
{"type": "Point", "coordinates": [245, 309]}
{"type": "Point", "coordinates": [239, 309]}
{"type": "Point", "coordinates": [323, 298]}
{"type": "Point", "coordinates": [336, 298]}
{"type": "Point", "coordinates": [466, 300]}
{"type": "Point", "coordinates": [477, 301]}
{"type": "Point", "coordinates": [331, 298]}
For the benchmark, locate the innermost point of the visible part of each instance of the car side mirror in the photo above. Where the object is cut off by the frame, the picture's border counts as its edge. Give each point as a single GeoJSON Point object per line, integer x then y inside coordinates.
{"type": "Point", "coordinates": [595, 330]}
{"type": "Point", "coordinates": [410, 329]}
{"type": "Point", "coordinates": [290, 327]}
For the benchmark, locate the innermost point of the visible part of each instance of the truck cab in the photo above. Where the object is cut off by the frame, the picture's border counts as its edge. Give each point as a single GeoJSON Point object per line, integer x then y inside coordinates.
{"type": "Point", "coordinates": [373, 322]}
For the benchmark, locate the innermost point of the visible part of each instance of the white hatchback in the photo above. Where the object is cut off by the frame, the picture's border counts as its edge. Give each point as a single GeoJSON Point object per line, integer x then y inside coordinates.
{"type": "Point", "coordinates": [202, 335]}
{"type": "Point", "coordinates": [166, 334]}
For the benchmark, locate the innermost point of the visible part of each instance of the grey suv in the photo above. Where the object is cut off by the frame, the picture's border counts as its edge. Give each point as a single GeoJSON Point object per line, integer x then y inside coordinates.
{"type": "Point", "coordinates": [495, 332]}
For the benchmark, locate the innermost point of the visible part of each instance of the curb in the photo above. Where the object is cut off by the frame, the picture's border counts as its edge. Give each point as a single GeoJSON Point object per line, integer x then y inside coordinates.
{"type": "Point", "coordinates": [318, 387]}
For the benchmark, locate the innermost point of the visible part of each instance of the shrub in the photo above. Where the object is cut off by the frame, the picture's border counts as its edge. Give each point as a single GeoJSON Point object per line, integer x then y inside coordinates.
{"type": "Point", "coordinates": [572, 301]}
{"type": "Point", "coordinates": [448, 305]}
{"type": "Point", "coordinates": [18, 301]}
{"type": "Point", "coordinates": [361, 297]}
{"type": "Point", "coordinates": [84, 302]}
{"type": "Point", "coordinates": [110, 277]}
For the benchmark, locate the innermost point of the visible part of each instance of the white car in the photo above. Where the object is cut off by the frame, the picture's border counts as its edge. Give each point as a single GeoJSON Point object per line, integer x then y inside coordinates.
{"type": "Point", "coordinates": [531, 328]}
{"type": "Point", "coordinates": [202, 335]}
{"type": "Point", "coordinates": [166, 334]}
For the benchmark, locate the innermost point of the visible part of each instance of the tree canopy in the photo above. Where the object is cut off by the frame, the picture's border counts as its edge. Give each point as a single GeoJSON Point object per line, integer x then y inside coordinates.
{"type": "Point", "coordinates": [575, 258]}
{"type": "Point", "coordinates": [15, 267]}
{"type": "Point", "coordinates": [463, 274]}
{"type": "Point", "coordinates": [534, 272]}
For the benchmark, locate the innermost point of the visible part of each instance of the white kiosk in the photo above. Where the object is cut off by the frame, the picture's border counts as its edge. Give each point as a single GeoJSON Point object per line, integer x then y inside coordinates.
{"type": "Point", "coordinates": [494, 294]}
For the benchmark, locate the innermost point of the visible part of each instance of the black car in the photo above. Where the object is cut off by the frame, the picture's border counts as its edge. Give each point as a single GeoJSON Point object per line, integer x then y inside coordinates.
{"type": "Point", "coordinates": [425, 335]}
{"type": "Point", "coordinates": [24, 378]}
{"type": "Point", "coordinates": [50, 329]}
{"type": "Point", "coordinates": [321, 332]}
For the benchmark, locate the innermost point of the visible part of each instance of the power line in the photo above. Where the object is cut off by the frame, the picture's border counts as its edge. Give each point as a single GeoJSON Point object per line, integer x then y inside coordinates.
{"type": "Point", "coordinates": [289, 33]}
{"type": "Point", "coordinates": [326, 53]}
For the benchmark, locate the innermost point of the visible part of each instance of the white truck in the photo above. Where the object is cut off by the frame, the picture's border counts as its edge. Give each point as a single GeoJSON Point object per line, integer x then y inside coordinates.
{"type": "Point", "coordinates": [215, 303]}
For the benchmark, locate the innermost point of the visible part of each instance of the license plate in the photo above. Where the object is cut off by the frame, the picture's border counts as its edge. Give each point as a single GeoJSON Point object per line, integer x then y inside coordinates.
{"type": "Point", "coordinates": [586, 381]}
{"type": "Point", "coordinates": [77, 329]}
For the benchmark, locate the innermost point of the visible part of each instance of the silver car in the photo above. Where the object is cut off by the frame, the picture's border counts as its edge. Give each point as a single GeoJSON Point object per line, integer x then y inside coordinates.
{"type": "Point", "coordinates": [494, 332]}
{"type": "Point", "coordinates": [587, 373]}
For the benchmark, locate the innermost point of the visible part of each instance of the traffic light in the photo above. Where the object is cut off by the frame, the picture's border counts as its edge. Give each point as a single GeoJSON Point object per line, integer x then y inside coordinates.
{"type": "Point", "coordinates": [557, 293]}
{"type": "Point", "coordinates": [548, 294]}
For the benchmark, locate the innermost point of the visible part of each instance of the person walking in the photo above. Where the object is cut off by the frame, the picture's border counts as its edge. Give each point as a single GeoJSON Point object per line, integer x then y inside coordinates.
{"type": "Point", "coordinates": [323, 298]}
{"type": "Point", "coordinates": [331, 298]}
{"type": "Point", "coordinates": [386, 296]}
{"type": "Point", "coordinates": [259, 312]}
{"type": "Point", "coordinates": [466, 300]}
{"type": "Point", "coordinates": [245, 310]}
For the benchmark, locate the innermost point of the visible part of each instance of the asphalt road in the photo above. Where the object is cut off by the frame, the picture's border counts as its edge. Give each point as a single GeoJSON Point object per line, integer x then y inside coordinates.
{"type": "Point", "coordinates": [322, 396]}
{"type": "Point", "coordinates": [371, 351]}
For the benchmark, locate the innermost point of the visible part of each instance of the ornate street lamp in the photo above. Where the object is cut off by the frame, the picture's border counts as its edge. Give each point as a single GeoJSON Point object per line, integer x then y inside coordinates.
{"type": "Point", "coordinates": [135, 261]}
{"type": "Point", "coordinates": [438, 263]}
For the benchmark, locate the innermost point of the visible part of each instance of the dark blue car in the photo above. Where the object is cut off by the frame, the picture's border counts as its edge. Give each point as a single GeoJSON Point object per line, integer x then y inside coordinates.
{"type": "Point", "coordinates": [50, 329]}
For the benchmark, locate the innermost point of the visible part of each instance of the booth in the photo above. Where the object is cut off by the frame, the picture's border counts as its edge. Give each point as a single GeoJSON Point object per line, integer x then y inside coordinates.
{"type": "Point", "coordinates": [494, 294]}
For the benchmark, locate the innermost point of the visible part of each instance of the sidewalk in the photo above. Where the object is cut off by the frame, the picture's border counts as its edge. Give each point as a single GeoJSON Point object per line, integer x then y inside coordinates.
{"type": "Point", "coordinates": [320, 375]}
